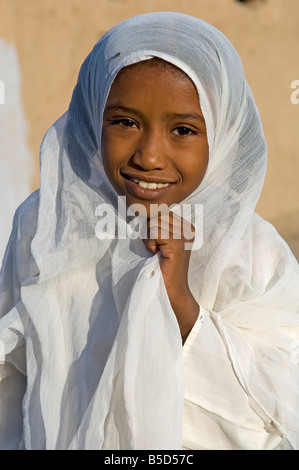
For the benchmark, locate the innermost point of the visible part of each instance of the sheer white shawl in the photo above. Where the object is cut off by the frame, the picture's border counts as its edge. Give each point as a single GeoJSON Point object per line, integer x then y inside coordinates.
{"type": "Point", "coordinates": [88, 321]}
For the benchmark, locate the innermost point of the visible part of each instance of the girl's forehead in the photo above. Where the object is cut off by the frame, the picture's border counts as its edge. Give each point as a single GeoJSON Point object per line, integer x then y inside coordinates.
{"type": "Point", "coordinates": [153, 82]}
{"type": "Point", "coordinates": [134, 80]}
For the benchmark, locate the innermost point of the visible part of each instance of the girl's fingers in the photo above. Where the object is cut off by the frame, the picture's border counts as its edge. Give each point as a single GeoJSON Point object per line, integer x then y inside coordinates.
{"type": "Point", "coordinates": [170, 226]}
{"type": "Point", "coordinates": [151, 245]}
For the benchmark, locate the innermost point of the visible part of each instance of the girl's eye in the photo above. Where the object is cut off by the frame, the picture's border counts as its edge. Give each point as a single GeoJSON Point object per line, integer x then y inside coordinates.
{"type": "Point", "coordinates": [184, 131]}
{"type": "Point", "coordinates": [125, 122]}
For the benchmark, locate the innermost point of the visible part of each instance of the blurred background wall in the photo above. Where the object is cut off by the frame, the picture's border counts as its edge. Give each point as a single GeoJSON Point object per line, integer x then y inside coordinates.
{"type": "Point", "coordinates": [53, 37]}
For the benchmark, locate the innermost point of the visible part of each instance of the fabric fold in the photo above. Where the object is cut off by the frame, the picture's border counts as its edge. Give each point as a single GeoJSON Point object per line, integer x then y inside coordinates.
{"type": "Point", "coordinates": [133, 377]}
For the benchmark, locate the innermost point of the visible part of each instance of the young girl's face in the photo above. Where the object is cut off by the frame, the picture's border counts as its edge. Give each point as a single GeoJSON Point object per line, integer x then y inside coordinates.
{"type": "Point", "coordinates": [154, 140]}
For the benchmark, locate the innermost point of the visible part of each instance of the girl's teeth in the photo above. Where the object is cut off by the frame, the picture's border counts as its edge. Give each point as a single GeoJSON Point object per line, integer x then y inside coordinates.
{"type": "Point", "coordinates": [145, 184]}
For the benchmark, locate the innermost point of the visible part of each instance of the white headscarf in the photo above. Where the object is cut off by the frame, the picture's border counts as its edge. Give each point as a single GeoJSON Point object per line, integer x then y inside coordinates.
{"type": "Point", "coordinates": [104, 359]}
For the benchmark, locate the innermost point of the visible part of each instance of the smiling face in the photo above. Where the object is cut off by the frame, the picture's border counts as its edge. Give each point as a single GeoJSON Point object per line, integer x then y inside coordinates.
{"type": "Point", "coordinates": [154, 141]}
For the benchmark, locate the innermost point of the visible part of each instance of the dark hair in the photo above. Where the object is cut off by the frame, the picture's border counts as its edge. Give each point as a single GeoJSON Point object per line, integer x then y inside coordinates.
{"type": "Point", "coordinates": [157, 61]}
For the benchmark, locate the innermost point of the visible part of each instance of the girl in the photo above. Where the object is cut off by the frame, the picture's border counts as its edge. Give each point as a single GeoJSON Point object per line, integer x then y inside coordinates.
{"type": "Point", "coordinates": [145, 341]}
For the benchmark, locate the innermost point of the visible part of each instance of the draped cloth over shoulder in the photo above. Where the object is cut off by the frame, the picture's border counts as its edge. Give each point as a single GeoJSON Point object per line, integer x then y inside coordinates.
{"type": "Point", "coordinates": [92, 353]}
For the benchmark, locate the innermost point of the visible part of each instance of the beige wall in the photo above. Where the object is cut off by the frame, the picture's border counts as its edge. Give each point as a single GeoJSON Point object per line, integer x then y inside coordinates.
{"type": "Point", "coordinates": [53, 37]}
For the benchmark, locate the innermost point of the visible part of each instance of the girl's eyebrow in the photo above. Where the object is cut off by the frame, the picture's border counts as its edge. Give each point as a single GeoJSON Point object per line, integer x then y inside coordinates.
{"type": "Point", "coordinates": [125, 109]}
{"type": "Point", "coordinates": [119, 107]}
{"type": "Point", "coordinates": [194, 116]}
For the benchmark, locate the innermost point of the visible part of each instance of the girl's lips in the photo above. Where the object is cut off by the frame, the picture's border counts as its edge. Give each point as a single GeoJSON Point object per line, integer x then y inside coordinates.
{"type": "Point", "coordinates": [147, 178]}
{"type": "Point", "coordinates": [145, 193]}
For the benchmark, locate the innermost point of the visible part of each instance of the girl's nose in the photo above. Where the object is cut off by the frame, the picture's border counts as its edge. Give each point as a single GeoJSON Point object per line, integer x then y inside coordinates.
{"type": "Point", "coordinates": [150, 152]}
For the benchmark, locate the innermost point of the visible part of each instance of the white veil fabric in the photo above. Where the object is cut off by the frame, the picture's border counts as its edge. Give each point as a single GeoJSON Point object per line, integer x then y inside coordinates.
{"type": "Point", "coordinates": [16, 167]}
{"type": "Point", "coordinates": [92, 356]}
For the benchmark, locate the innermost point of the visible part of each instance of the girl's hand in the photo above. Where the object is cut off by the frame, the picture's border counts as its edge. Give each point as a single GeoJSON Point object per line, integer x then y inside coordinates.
{"type": "Point", "coordinates": [166, 234]}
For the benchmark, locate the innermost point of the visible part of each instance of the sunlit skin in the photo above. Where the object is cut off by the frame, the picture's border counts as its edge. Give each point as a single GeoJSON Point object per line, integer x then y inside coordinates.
{"type": "Point", "coordinates": [154, 131]}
